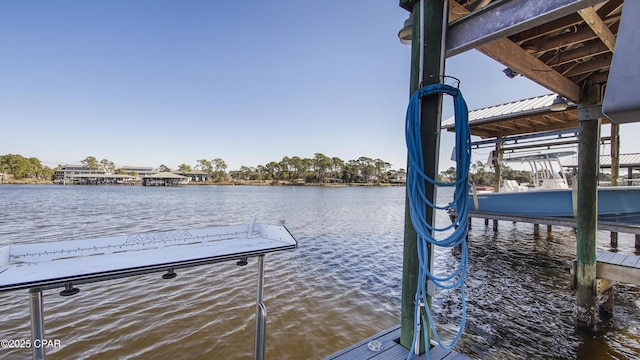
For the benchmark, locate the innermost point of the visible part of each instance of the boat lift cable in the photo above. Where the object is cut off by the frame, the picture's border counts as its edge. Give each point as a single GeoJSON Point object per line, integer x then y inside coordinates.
{"type": "Point", "coordinates": [418, 201]}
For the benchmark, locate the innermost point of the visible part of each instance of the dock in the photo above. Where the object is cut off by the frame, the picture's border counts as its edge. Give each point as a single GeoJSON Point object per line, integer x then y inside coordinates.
{"type": "Point", "coordinates": [611, 268]}
{"type": "Point", "coordinates": [618, 267]}
{"type": "Point", "coordinates": [384, 346]}
{"type": "Point", "coordinates": [614, 227]}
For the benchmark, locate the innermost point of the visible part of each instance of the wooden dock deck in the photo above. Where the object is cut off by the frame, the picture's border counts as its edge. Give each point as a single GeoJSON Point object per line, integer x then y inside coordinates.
{"type": "Point", "coordinates": [390, 350]}
{"type": "Point", "coordinates": [622, 268]}
{"type": "Point", "coordinates": [612, 268]}
{"type": "Point", "coordinates": [558, 221]}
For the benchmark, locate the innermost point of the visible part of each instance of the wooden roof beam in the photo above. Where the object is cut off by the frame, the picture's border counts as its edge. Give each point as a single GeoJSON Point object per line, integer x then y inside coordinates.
{"type": "Point", "coordinates": [534, 121]}
{"type": "Point", "coordinates": [598, 26]}
{"type": "Point", "coordinates": [509, 125]}
{"type": "Point", "coordinates": [583, 34]}
{"type": "Point", "coordinates": [583, 77]}
{"type": "Point", "coordinates": [505, 18]}
{"type": "Point", "coordinates": [513, 56]}
{"type": "Point", "coordinates": [555, 120]}
{"type": "Point", "coordinates": [610, 7]}
{"type": "Point", "coordinates": [478, 5]}
{"type": "Point", "coordinates": [590, 49]}
{"type": "Point", "coordinates": [597, 77]}
{"type": "Point", "coordinates": [557, 42]}
{"type": "Point", "coordinates": [488, 127]}
{"type": "Point", "coordinates": [546, 29]}
{"type": "Point", "coordinates": [595, 64]}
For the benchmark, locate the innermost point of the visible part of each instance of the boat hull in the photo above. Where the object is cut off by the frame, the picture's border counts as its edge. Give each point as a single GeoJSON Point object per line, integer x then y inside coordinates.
{"type": "Point", "coordinates": [557, 202]}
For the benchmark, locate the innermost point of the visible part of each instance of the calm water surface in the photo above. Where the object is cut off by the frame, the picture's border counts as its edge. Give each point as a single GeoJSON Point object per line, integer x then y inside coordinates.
{"type": "Point", "coordinates": [340, 286]}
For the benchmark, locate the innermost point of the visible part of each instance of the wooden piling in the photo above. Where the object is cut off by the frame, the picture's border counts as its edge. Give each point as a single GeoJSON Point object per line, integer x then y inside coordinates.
{"type": "Point", "coordinates": [497, 166]}
{"type": "Point", "coordinates": [615, 153]}
{"type": "Point", "coordinates": [614, 239]}
{"type": "Point", "coordinates": [587, 219]}
{"type": "Point", "coordinates": [430, 68]}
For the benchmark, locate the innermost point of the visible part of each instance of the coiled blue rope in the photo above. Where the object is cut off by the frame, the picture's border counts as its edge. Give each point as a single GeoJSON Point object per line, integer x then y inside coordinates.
{"type": "Point", "coordinates": [416, 190]}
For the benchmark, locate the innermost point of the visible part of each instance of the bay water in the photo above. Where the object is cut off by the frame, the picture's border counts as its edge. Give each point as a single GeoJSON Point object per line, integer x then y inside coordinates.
{"type": "Point", "coordinates": [341, 285]}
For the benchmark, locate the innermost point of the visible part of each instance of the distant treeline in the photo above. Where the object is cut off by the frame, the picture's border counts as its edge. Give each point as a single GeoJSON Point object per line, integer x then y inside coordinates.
{"type": "Point", "coordinates": [319, 169]}
{"type": "Point", "coordinates": [19, 167]}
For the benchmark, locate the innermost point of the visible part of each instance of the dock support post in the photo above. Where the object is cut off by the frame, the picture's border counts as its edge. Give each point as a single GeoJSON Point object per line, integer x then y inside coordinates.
{"type": "Point", "coordinates": [261, 315]}
{"type": "Point", "coordinates": [37, 323]}
{"type": "Point", "coordinates": [427, 67]}
{"type": "Point", "coordinates": [637, 241]}
{"type": "Point", "coordinates": [495, 225]}
{"type": "Point", "coordinates": [586, 239]}
{"type": "Point", "coordinates": [536, 229]}
{"type": "Point", "coordinates": [614, 239]}
{"type": "Point", "coordinates": [615, 153]}
{"type": "Point", "coordinates": [486, 222]}
{"type": "Point", "coordinates": [548, 229]}
{"type": "Point", "coordinates": [608, 298]}
{"type": "Point", "coordinates": [497, 165]}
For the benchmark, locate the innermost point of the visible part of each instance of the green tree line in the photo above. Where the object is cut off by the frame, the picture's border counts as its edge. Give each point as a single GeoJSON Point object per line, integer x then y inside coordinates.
{"type": "Point", "coordinates": [20, 168]}
{"type": "Point", "coordinates": [318, 169]}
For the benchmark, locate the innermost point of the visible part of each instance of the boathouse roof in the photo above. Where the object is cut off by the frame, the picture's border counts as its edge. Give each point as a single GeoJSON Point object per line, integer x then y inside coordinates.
{"type": "Point", "coordinates": [519, 117]}
{"type": "Point", "coordinates": [563, 45]}
{"type": "Point", "coordinates": [626, 161]}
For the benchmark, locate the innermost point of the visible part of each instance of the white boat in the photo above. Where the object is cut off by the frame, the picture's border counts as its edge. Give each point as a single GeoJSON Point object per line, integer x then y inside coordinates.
{"type": "Point", "coordinates": [550, 194]}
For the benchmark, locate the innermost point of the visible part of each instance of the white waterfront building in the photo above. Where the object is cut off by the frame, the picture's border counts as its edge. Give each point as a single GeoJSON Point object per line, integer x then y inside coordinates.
{"type": "Point", "coordinates": [68, 173]}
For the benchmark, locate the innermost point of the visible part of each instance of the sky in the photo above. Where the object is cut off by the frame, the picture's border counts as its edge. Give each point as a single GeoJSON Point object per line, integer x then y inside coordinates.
{"type": "Point", "coordinates": [151, 82]}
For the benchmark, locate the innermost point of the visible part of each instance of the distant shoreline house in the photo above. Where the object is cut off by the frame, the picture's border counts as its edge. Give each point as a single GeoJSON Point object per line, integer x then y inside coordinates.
{"type": "Point", "coordinates": [141, 171]}
{"type": "Point", "coordinates": [69, 173]}
{"type": "Point", "coordinates": [195, 176]}
{"type": "Point", "coordinates": [83, 175]}
{"type": "Point", "coordinates": [398, 177]}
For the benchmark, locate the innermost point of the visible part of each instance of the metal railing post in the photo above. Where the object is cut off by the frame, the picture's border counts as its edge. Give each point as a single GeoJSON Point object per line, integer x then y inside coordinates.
{"type": "Point", "coordinates": [37, 323]}
{"type": "Point", "coordinates": [261, 315]}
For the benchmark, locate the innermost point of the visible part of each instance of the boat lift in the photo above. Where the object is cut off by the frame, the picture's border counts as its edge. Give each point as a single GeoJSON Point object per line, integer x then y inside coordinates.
{"type": "Point", "coordinates": [63, 264]}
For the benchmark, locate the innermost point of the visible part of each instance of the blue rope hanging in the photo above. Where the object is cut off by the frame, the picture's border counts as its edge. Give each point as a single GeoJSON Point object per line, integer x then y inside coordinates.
{"type": "Point", "coordinates": [416, 189]}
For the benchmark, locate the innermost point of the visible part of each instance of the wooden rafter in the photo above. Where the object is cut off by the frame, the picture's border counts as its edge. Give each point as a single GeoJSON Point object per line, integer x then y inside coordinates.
{"type": "Point", "coordinates": [560, 54]}
{"type": "Point", "coordinates": [478, 5]}
{"type": "Point", "coordinates": [587, 50]}
{"type": "Point", "coordinates": [598, 26]}
{"type": "Point", "coordinates": [546, 29]}
{"type": "Point", "coordinates": [610, 8]}
{"type": "Point", "coordinates": [596, 78]}
{"type": "Point", "coordinates": [594, 64]}
{"type": "Point", "coordinates": [513, 56]}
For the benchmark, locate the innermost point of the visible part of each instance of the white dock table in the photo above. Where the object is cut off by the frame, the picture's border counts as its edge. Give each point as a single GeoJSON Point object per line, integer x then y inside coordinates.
{"type": "Point", "coordinates": [64, 263]}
